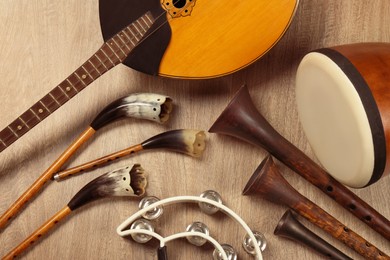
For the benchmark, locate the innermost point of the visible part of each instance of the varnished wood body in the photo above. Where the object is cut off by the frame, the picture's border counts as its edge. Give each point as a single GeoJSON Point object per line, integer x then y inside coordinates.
{"type": "Point", "coordinates": [269, 183]}
{"type": "Point", "coordinates": [211, 39]}
{"type": "Point", "coordinates": [242, 120]}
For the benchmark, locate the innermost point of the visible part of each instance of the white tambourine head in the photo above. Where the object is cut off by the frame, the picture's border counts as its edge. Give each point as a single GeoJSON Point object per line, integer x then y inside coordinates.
{"type": "Point", "coordinates": [334, 120]}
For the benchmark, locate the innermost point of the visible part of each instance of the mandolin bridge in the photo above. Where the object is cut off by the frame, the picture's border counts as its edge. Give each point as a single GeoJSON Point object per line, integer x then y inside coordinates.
{"type": "Point", "coordinates": [178, 8]}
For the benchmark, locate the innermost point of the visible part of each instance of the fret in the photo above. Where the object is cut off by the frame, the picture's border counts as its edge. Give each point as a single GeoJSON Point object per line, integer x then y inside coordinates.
{"type": "Point", "coordinates": [63, 91]}
{"type": "Point", "coordinates": [87, 71]}
{"type": "Point", "coordinates": [93, 65]}
{"type": "Point", "coordinates": [111, 53]}
{"type": "Point", "coordinates": [136, 28]}
{"type": "Point", "coordinates": [39, 111]}
{"type": "Point", "coordinates": [83, 77]}
{"type": "Point", "coordinates": [35, 114]}
{"type": "Point", "coordinates": [2, 143]}
{"type": "Point", "coordinates": [24, 122]}
{"type": "Point", "coordinates": [18, 128]}
{"type": "Point", "coordinates": [108, 57]}
{"type": "Point", "coordinates": [142, 26]}
{"type": "Point", "coordinates": [48, 103]}
{"type": "Point", "coordinates": [80, 80]}
{"type": "Point", "coordinates": [71, 86]}
{"type": "Point", "coordinates": [54, 98]}
{"type": "Point", "coordinates": [13, 132]}
{"type": "Point", "coordinates": [128, 37]}
{"type": "Point", "coordinates": [101, 62]}
{"type": "Point", "coordinates": [147, 25]}
{"type": "Point", "coordinates": [119, 47]}
{"type": "Point", "coordinates": [7, 136]}
{"type": "Point", "coordinates": [124, 43]}
{"type": "Point", "coordinates": [132, 33]}
{"type": "Point", "coordinates": [30, 119]}
{"type": "Point", "coordinates": [40, 101]}
{"type": "Point", "coordinates": [148, 18]}
{"type": "Point", "coordinates": [76, 83]}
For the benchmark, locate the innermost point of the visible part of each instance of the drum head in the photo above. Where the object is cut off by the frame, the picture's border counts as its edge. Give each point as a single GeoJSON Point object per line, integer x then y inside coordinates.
{"type": "Point", "coordinates": [340, 118]}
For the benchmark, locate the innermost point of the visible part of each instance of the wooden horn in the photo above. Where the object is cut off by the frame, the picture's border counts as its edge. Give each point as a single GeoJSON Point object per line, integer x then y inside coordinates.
{"type": "Point", "coordinates": [126, 181]}
{"type": "Point", "coordinates": [149, 106]}
{"type": "Point", "coordinates": [269, 183]}
{"type": "Point", "coordinates": [289, 227]}
{"type": "Point", "coordinates": [242, 120]}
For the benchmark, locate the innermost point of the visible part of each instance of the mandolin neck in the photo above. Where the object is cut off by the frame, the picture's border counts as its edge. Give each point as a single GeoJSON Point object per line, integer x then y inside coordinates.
{"type": "Point", "coordinates": [111, 53]}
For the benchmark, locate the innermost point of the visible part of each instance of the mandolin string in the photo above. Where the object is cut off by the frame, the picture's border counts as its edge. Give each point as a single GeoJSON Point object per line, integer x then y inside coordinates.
{"type": "Point", "coordinates": [130, 39]}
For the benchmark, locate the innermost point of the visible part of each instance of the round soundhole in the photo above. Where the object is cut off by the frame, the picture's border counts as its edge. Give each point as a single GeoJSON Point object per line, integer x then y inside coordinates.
{"type": "Point", "coordinates": [179, 3]}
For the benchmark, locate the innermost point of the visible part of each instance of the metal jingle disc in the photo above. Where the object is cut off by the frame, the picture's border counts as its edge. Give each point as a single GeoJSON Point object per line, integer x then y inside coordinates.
{"type": "Point", "coordinates": [142, 224]}
{"type": "Point", "coordinates": [229, 250]}
{"type": "Point", "coordinates": [248, 243]}
{"type": "Point", "coordinates": [197, 227]}
{"type": "Point", "coordinates": [208, 208]}
{"type": "Point", "coordinates": [155, 212]}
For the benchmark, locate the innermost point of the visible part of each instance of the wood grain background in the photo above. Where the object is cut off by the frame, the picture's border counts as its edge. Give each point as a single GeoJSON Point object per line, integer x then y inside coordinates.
{"type": "Point", "coordinates": [42, 42]}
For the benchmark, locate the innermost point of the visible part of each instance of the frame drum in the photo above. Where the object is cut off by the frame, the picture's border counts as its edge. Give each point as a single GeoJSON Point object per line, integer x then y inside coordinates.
{"type": "Point", "coordinates": [343, 102]}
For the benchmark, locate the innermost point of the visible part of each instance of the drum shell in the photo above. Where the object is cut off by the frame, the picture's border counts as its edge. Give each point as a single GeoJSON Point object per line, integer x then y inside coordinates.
{"type": "Point", "coordinates": [367, 66]}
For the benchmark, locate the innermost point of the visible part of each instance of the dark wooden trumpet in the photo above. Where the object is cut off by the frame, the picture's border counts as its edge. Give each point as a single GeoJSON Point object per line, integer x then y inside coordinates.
{"type": "Point", "coordinates": [269, 183]}
{"type": "Point", "coordinates": [242, 120]}
{"type": "Point", "coordinates": [290, 227]}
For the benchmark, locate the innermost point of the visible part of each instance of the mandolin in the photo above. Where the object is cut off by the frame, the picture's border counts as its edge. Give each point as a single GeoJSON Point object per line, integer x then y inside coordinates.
{"type": "Point", "coordinates": [188, 39]}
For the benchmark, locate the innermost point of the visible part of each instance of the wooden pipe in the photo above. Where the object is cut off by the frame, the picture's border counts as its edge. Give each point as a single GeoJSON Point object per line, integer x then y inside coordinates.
{"type": "Point", "coordinates": [190, 142]}
{"type": "Point", "coordinates": [289, 227]}
{"type": "Point", "coordinates": [267, 182]}
{"type": "Point", "coordinates": [242, 120]}
{"type": "Point", "coordinates": [126, 181]}
{"type": "Point", "coordinates": [141, 105]}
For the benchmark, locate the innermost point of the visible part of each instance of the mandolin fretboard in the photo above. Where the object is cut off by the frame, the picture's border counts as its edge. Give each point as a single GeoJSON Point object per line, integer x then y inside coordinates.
{"type": "Point", "coordinates": [112, 52]}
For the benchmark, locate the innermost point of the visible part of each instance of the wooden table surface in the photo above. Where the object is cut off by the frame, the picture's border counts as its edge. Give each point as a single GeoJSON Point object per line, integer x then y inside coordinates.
{"type": "Point", "coordinates": [42, 42]}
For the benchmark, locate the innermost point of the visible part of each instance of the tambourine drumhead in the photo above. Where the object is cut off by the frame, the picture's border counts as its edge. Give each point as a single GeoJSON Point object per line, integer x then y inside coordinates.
{"type": "Point", "coordinates": [336, 119]}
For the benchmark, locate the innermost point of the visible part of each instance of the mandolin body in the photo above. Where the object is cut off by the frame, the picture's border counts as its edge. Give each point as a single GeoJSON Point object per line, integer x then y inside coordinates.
{"type": "Point", "coordinates": [205, 39]}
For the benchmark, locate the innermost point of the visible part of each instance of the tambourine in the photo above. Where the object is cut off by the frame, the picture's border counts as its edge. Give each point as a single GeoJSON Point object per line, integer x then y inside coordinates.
{"type": "Point", "coordinates": [343, 102]}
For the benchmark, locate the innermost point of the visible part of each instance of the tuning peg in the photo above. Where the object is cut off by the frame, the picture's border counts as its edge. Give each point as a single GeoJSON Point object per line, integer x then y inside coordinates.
{"type": "Point", "coordinates": [142, 224]}
{"type": "Point", "coordinates": [208, 208]}
{"type": "Point", "coordinates": [197, 227]}
{"type": "Point", "coordinates": [155, 212]}
{"type": "Point", "coordinates": [229, 250]}
{"type": "Point", "coordinates": [248, 244]}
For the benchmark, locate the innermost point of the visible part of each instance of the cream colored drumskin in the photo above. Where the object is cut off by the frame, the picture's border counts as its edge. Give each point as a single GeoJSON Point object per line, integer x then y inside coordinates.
{"type": "Point", "coordinates": [334, 120]}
